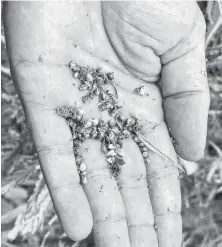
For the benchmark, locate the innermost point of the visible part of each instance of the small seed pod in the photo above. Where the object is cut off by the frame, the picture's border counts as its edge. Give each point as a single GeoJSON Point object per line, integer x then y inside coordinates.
{"type": "Point", "coordinates": [76, 151]}
{"type": "Point", "coordinates": [148, 161]}
{"type": "Point", "coordinates": [136, 139]}
{"type": "Point", "coordinates": [120, 117]}
{"type": "Point", "coordinates": [89, 77]}
{"type": "Point", "coordinates": [115, 130]}
{"type": "Point", "coordinates": [111, 153]}
{"type": "Point", "coordinates": [141, 144]}
{"type": "Point", "coordinates": [104, 128]}
{"type": "Point", "coordinates": [62, 111]}
{"type": "Point", "coordinates": [73, 110]}
{"type": "Point", "coordinates": [86, 136]}
{"type": "Point", "coordinates": [173, 140]}
{"type": "Point", "coordinates": [110, 166]}
{"type": "Point", "coordinates": [144, 149]}
{"type": "Point", "coordinates": [99, 81]}
{"type": "Point", "coordinates": [83, 172]}
{"type": "Point", "coordinates": [101, 123]}
{"type": "Point", "coordinates": [142, 90]}
{"type": "Point", "coordinates": [111, 146]}
{"type": "Point", "coordinates": [82, 130]}
{"type": "Point", "coordinates": [108, 104]}
{"type": "Point", "coordinates": [93, 134]}
{"type": "Point", "coordinates": [78, 159]}
{"type": "Point", "coordinates": [82, 167]}
{"type": "Point", "coordinates": [76, 75]}
{"type": "Point", "coordinates": [100, 136]}
{"type": "Point", "coordinates": [91, 96]}
{"type": "Point", "coordinates": [120, 152]}
{"type": "Point", "coordinates": [72, 65]}
{"type": "Point", "coordinates": [120, 161]}
{"type": "Point", "coordinates": [110, 160]}
{"type": "Point", "coordinates": [111, 123]}
{"type": "Point", "coordinates": [98, 70]}
{"type": "Point", "coordinates": [103, 95]}
{"type": "Point", "coordinates": [73, 126]}
{"type": "Point", "coordinates": [79, 136]}
{"type": "Point", "coordinates": [85, 98]}
{"type": "Point", "coordinates": [113, 112]}
{"type": "Point", "coordinates": [111, 135]}
{"type": "Point", "coordinates": [102, 108]}
{"type": "Point", "coordinates": [108, 96]}
{"type": "Point", "coordinates": [80, 111]}
{"type": "Point", "coordinates": [83, 179]}
{"type": "Point", "coordinates": [95, 122]}
{"type": "Point", "coordinates": [106, 80]}
{"type": "Point", "coordinates": [79, 117]}
{"type": "Point", "coordinates": [82, 138]}
{"type": "Point", "coordinates": [77, 143]}
{"type": "Point", "coordinates": [78, 128]}
{"type": "Point", "coordinates": [130, 122]}
{"type": "Point", "coordinates": [115, 173]}
{"type": "Point", "coordinates": [83, 87]}
{"type": "Point", "coordinates": [145, 154]}
{"type": "Point", "coordinates": [110, 76]}
{"type": "Point", "coordinates": [88, 124]}
{"type": "Point", "coordinates": [69, 122]}
{"type": "Point", "coordinates": [74, 135]}
{"type": "Point", "coordinates": [126, 134]}
{"type": "Point", "coordinates": [88, 84]}
{"type": "Point", "coordinates": [97, 91]}
{"type": "Point", "coordinates": [120, 143]}
{"type": "Point", "coordinates": [94, 87]}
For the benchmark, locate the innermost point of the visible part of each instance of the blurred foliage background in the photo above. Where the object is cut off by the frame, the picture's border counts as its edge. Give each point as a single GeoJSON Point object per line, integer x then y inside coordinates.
{"type": "Point", "coordinates": [28, 217]}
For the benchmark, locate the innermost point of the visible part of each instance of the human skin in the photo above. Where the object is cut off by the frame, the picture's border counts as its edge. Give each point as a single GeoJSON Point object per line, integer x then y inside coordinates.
{"type": "Point", "coordinates": [140, 42]}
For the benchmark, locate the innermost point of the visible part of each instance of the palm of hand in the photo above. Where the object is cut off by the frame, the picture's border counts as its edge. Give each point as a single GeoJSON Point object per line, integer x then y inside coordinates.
{"type": "Point", "coordinates": [121, 218]}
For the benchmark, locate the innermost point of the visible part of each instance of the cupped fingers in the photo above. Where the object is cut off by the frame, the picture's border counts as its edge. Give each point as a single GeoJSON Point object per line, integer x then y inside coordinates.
{"type": "Point", "coordinates": [134, 191]}
{"type": "Point", "coordinates": [163, 179]}
{"type": "Point", "coordinates": [109, 217]}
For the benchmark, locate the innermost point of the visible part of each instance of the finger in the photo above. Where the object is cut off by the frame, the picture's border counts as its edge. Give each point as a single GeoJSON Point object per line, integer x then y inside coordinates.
{"type": "Point", "coordinates": [164, 189]}
{"type": "Point", "coordinates": [37, 86]}
{"type": "Point", "coordinates": [185, 92]}
{"type": "Point", "coordinates": [52, 139]}
{"type": "Point", "coordinates": [109, 218]}
{"type": "Point", "coordinates": [134, 191]}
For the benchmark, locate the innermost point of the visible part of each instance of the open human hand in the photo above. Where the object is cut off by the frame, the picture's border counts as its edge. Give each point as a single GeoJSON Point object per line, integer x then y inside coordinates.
{"type": "Point", "coordinates": [41, 41]}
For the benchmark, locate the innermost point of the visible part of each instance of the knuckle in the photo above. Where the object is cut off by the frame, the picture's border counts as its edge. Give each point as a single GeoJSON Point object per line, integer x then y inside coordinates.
{"type": "Point", "coordinates": [73, 186]}
{"type": "Point", "coordinates": [98, 173]}
{"type": "Point", "coordinates": [110, 218]}
{"type": "Point", "coordinates": [144, 224]}
{"type": "Point", "coordinates": [132, 183]}
{"type": "Point", "coordinates": [167, 213]}
{"type": "Point", "coordinates": [168, 171]}
{"type": "Point", "coordinates": [54, 149]}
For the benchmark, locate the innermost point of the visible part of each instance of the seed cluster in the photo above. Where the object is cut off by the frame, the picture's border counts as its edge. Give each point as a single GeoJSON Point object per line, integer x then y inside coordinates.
{"type": "Point", "coordinates": [93, 81]}
{"type": "Point", "coordinates": [112, 133]}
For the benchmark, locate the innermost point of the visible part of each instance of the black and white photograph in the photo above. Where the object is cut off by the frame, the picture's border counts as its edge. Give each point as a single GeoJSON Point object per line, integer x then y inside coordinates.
{"type": "Point", "coordinates": [111, 123]}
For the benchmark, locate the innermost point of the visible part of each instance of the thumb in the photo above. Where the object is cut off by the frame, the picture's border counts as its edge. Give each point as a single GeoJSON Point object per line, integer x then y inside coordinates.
{"type": "Point", "coordinates": [186, 94]}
